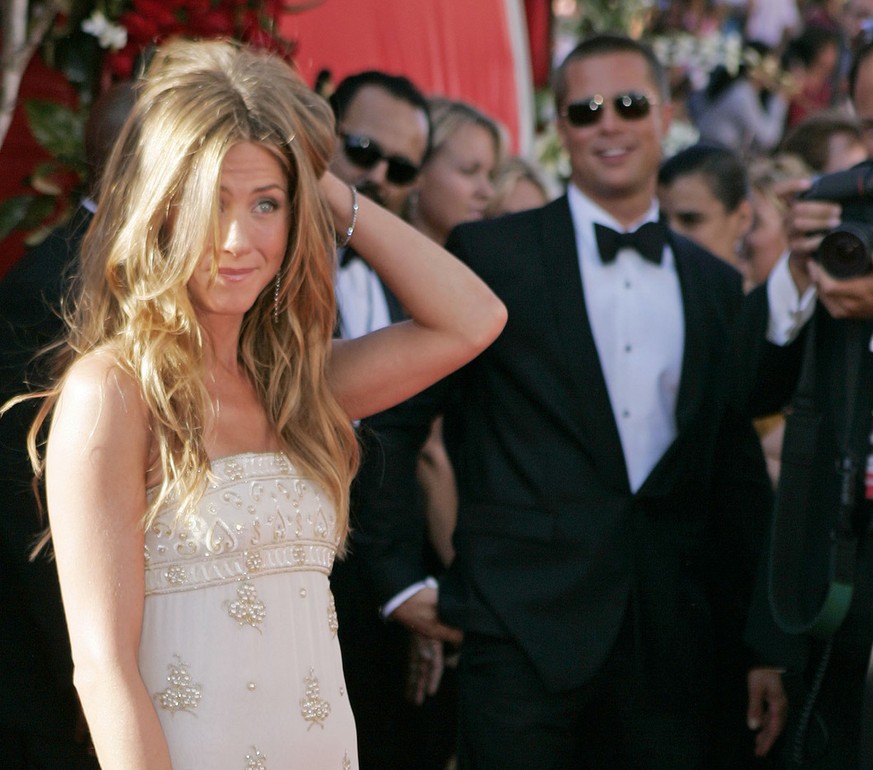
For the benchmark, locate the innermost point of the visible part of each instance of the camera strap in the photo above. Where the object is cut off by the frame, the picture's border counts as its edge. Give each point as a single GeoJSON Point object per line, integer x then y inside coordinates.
{"type": "Point", "coordinates": [797, 535]}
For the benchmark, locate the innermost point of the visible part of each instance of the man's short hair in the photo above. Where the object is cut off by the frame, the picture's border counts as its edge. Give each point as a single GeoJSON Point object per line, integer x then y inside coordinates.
{"type": "Point", "coordinates": [398, 86]}
{"type": "Point", "coordinates": [602, 45]}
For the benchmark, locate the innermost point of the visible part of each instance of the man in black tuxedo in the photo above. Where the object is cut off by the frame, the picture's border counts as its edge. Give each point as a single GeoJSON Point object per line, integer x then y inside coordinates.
{"type": "Point", "coordinates": [41, 726]}
{"type": "Point", "coordinates": [597, 462]}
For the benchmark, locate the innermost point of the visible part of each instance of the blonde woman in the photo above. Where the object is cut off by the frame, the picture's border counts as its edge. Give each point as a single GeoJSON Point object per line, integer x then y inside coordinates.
{"type": "Point", "coordinates": [455, 182]}
{"type": "Point", "coordinates": [201, 442]}
{"type": "Point", "coordinates": [518, 186]}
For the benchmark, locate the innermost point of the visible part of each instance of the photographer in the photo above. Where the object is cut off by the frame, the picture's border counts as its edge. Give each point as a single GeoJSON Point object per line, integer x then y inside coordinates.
{"type": "Point", "coordinates": [808, 335]}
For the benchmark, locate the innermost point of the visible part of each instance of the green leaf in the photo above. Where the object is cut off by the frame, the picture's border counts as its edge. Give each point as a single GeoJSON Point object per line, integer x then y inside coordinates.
{"type": "Point", "coordinates": [40, 209]}
{"type": "Point", "coordinates": [12, 213]}
{"type": "Point", "coordinates": [25, 212]}
{"type": "Point", "coordinates": [57, 128]}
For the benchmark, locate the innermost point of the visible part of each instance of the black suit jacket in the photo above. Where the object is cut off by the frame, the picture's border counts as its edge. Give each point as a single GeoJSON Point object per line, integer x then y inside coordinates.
{"type": "Point", "coordinates": [37, 694]}
{"type": "Point", "coordinates": [552, 547]}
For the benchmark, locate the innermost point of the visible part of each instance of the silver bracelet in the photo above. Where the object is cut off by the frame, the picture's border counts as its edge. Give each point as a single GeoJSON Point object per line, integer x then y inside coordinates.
{"type": "Point", "coordinates": [351, 228]}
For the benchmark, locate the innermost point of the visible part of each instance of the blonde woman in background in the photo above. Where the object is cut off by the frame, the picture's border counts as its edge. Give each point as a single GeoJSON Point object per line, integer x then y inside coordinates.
{"type": "Point", "coordinates": [518, 185]}
{"type": "Point", "coordinates": [201, 442]}
{"type": "Point", "coordinates": [456, 180]}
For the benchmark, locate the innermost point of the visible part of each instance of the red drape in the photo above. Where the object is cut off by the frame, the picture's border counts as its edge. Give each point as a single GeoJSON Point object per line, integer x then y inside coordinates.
{"type": "Point", "coordinates": [455, 48]}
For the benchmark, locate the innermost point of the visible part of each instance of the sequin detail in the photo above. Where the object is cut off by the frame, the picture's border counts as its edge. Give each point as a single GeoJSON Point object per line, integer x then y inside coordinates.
{"type": "Point", "coordinates": [287, 526]}
{"type": "Point", "coordinates": [176, 575]}
{"type": "Point", "coordinates": [256, 760]}
{"type": "Point", "coordinates": [181, 695]}
{"type": "Point", "coordinates": [332, 622]}
{"type": "Point", "coordinates": [312, 707]}
{"type": "Point", "coordinates": [347, 763]}
{"type": "Point", "coordinates": [248, 609]}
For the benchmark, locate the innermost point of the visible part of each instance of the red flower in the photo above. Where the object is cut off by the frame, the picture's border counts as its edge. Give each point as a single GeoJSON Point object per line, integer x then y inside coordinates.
{"type": "Point", "coordinates": [120, 63]}
{"type": "Point", "coordinates": [216, 22]}
{"type": "Point", "coordinates": [166, 16]}
{"type": "Point", "coordinates": [141, 30]}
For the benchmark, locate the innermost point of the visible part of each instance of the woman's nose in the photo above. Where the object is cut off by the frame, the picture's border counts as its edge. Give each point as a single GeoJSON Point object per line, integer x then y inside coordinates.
{"type": "Point", "coordinates": [235, 240]}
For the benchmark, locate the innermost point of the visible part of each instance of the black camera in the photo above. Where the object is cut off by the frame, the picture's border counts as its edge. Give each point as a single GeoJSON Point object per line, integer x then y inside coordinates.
{"type": "Point", "coordinates": [847, 250]}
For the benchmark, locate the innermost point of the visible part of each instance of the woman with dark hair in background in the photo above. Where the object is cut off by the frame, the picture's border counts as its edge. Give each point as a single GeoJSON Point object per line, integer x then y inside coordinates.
{"type": "Point", "coordinates": [704, 193]}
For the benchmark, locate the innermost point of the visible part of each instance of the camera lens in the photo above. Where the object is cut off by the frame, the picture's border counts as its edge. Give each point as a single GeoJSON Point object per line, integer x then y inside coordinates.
{"type": "Point", "coordinates": [845, 252]}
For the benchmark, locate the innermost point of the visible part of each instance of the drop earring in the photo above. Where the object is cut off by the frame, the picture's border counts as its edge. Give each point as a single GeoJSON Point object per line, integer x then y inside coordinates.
{"type": "Point", "coordinates": [276, 298]}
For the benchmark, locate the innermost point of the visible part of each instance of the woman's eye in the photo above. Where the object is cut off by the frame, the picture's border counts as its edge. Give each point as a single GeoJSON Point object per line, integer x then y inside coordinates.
{"type": "Point", "coordinates": [266, 206]}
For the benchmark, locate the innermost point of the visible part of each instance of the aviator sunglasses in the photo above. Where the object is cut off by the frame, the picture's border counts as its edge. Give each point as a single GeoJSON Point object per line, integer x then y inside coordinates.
{"type": "Point", "coordinates": [364, 152]}
{"type": "Point", "coordinates": [629, 106]}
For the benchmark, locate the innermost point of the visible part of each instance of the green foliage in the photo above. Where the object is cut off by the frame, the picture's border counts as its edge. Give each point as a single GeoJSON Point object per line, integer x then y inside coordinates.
{"type": "Point", "coordinates": [58, 129]}
{"type": "Point", "coordinates": [24, 212]}
{"type": "Point", "coordinates": [56, 181]}
{"type": "Point", "coordinates": [611, 15]}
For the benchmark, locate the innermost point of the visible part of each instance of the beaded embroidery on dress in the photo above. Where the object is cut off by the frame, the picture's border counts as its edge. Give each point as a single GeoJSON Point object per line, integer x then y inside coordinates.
{"type": "Point", "coordinates": [239, 646]}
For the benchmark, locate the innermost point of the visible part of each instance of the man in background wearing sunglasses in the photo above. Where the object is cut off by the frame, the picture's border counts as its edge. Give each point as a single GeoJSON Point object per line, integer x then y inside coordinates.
{"type": "Point", "coordinates": [596, 463]}
{"type": "Point", "coordinates": [383, 136]}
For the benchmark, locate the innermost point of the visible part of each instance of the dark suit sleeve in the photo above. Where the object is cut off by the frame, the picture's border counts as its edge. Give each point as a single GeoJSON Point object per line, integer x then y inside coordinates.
{"type": "Point", "coordinates": [33, 632]}
{"type": "Point", "coordinates": [764, 379]}
{"type": "Point", "coordinates": [389, 526]}
{"type": "Point", "coordinates": [764, 375]}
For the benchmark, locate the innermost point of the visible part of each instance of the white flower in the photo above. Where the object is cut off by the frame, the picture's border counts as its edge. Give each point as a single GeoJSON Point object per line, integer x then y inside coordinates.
{"type": "Point", "coordinates": [109, 35]}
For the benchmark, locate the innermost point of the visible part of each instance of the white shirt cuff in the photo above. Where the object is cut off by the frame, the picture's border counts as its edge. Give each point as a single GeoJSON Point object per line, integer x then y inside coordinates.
{"type": "Point", "coordinates": [393, 603]}
{"type": "Point", "coordinates": [789, 311]}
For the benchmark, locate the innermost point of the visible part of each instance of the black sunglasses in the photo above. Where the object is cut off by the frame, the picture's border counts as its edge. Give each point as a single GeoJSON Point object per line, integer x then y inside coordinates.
{"type": "Point", "coordinates": [629, 106]}
{"type": "Point", "coordinates": [364, 152]}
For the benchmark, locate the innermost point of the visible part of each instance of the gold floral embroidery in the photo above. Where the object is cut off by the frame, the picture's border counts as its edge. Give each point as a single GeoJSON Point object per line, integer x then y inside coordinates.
{"type": "Point", "coordinates": [312, 707]}
{"type": "Point", "coordinates": [181, 695]}
{"type": "Point", "coordinates": [256, 760]}
{"type": "Point", "coordinates": [347, 763]}
{"type": "Point", "coordinates": [332, 622]}
{"type": "Point", "coordinates": [248, 609]}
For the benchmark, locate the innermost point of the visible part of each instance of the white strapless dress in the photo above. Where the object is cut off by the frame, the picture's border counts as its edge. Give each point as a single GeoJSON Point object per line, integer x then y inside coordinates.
{"type": "Point", "coordinates": [239, 645]}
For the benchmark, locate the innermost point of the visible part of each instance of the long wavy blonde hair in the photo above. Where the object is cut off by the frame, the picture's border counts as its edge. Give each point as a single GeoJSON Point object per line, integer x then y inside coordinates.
{"type": "Point", "coordinates": [158, 210]}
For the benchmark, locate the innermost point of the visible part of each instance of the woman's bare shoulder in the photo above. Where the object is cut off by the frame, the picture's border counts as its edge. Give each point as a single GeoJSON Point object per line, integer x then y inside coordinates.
{"type": "Point", "coordinates": [99, 379]}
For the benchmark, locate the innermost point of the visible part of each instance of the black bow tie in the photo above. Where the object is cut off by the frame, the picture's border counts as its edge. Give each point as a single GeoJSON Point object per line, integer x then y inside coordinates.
{"type": "Point", "coordinates": [648, 241]}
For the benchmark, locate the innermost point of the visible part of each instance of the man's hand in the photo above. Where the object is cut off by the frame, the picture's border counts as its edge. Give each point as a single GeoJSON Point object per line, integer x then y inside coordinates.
{"type": "Point", "coordinates": [768, 707]}
{"type": "Point", "coordinates": [419, 614]}
{"type": "Point", "coordinates": [844, 298]}
{"type": "Point", "coordinates": [806, 221]}
{"type": "Point", "coordinates": [426, 666]}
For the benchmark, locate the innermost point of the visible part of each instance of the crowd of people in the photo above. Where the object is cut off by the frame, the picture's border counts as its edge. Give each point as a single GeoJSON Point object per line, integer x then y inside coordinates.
{"type": "Point", "coordinates": [365, 444]}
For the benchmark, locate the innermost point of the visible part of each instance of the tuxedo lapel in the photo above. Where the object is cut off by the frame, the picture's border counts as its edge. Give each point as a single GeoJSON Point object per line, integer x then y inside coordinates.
{"type": "Point", "coordinates": [693, 287]}
{"type": "Point", "coordinates": [561, 266]}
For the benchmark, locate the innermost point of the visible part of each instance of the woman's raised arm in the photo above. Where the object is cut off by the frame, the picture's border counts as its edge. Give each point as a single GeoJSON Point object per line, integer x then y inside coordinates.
{"type": "Point", "coordinates": [454, 315]}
